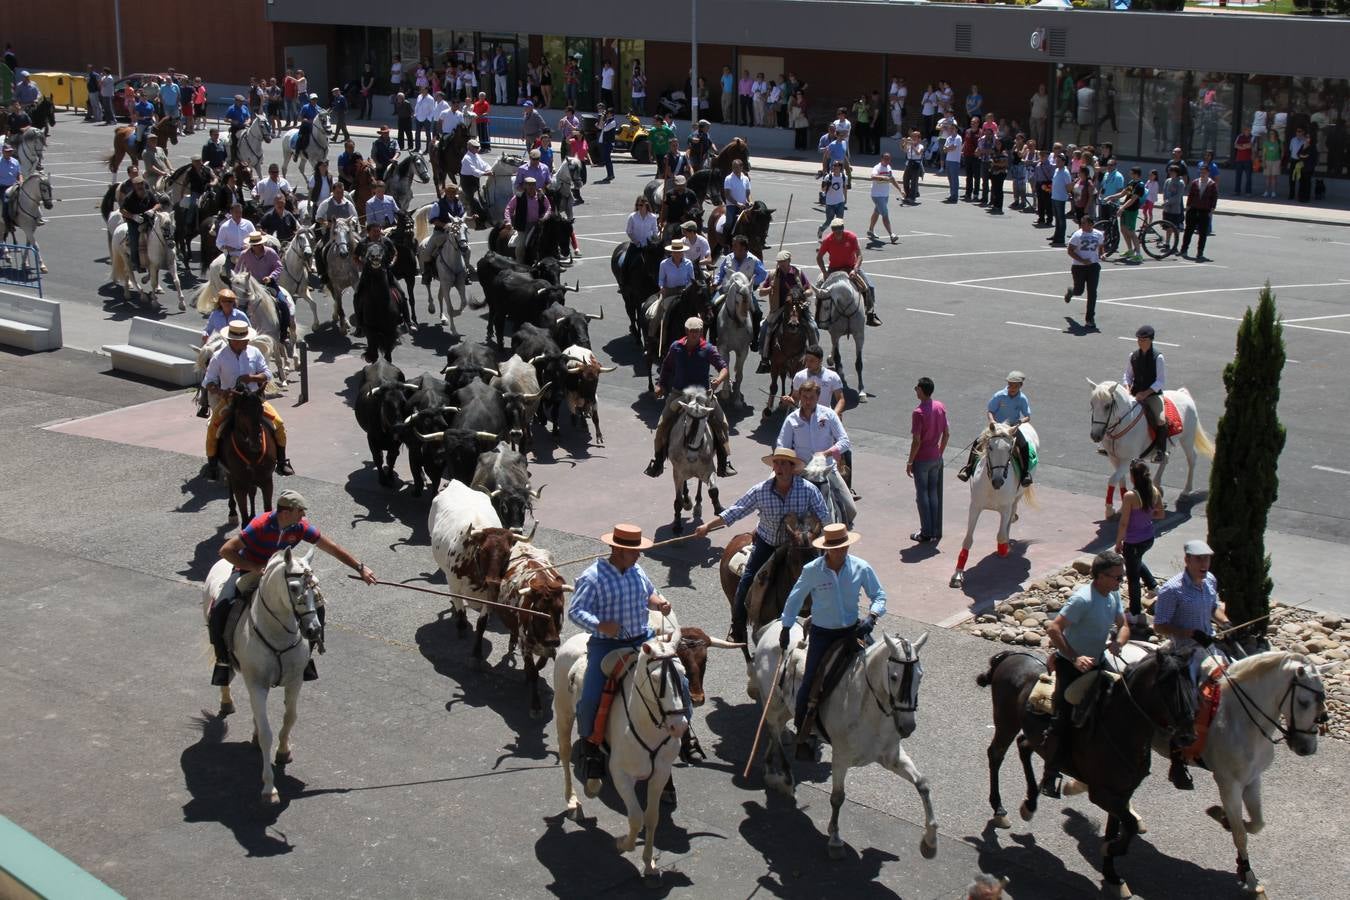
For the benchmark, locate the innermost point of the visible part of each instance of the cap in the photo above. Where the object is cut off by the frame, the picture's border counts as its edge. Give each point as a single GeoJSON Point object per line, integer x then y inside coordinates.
{"type": "Point", "coordinates": [784, 256]}
{"type": "Point", "coordinates": [689, 226]}
{"type": "Point", "coordinates": [837, 223]}
{"type": "Point", "coordinates": [314, 96]}
{"type": "Point", "coordinates": [226, 294]}
{"type": "Point", "coordinates": [704, 122]}
{"type": "Point", "coordinates": [693, 323]}
{"type": "Point", "coordinates": [1198, 548]}
{"type": "Point", "coordinates": [23, 73]}
{"type": "Point", "coordinates": [1144, 331]}
{"type": "Point", "coordinates": [194, 158]}
{"type": "Point", "coordinates": [535, 154]}
{"type": "Point", "coordinates": [290, 499]}
{"type": "Point", "coordinates": [531, 180]}
{"type": "Point", "coordinates": [528, 104]}
{"type": "Point", "coordinates": [473, 142]}
{"type": "Point", "coordinates": [1015, 377]}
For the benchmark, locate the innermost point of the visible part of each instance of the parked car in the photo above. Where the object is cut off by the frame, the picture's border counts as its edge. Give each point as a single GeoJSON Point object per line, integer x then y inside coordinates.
{"type": "Point", "coordinates": [119, 106]}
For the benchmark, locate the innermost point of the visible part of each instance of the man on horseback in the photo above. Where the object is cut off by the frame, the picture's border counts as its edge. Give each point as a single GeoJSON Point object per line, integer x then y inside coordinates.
{"type": "Point", "coordinates": [347, 162]}
{"type": "Point", "coordinates": [700, 146]}
{"type": "Point", "coordinates": [1145, 377]}
{"type": "Point", "coordinates": [736, 191]}
{"type": "Point", "coordinates": [308, 113]}
{"type": "Point", "coordinates": [1188, 606]}
{"type": "Point", "coordinates": [279, 222]}
{"type": "Point", "coordinates": [135, 207]}
{"type": "Point", "coordinates": [337, 206]}
{"type": "Point", "coordinates": [1007, 407]}
{"type": "Point", "coordinates": [472, 168]}
{"type": "Point", "coordinates": [1081, 635]}
{"type": "Point", "coordinates": [812, 428]}
{"type": "Point", "coordinates": [678, 204]}
{"type": "Point", "coordinates": [447, 206]}
{"type": "Point", "coordinates": [523, 213]}
{"type": "Point", "coordinates": [381, 208]}
{"type": "Point", "coordinates": [197, 181]}
{"type": "Point", "coordinates": [238, 115]}
{"type": "Point", "coordinates": [239, 364]}
{"type": "Point", "coordinates": [231, 235]}
{"type": "Point", "coordinates": [249, 551]}
{"type": "Point", "coordinates": [214, 153]}
{"type": "Point", "coordinates": [272, 187]}
{"type": "Point", "coordinates": [611, 602]}
{"type": "Point", "coordinates": [143, 115]}
{"type": "Point", "coordinates": [833, 582]}
{"type": "Point", "coordinates": [688, 363]}
{"type": "Point", "coordinates": [383, 151]}
{"type": "Point", "coordinates": [773, 498]}
{"type": "Point", "coordinates": [845, 255]}
{"type": "Point", "coordinates": [11, 176]}
{"type": "Point", "coordinates": [698, 252]}
{"type": "Point", "coordinates": [264, 264]}
{"type": "Point", "coordinates": [785, 281]}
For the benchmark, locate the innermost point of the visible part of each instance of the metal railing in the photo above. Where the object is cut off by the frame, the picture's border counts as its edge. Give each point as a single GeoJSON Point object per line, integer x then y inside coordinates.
{"type": "Point", "coordinates": [21, 266]}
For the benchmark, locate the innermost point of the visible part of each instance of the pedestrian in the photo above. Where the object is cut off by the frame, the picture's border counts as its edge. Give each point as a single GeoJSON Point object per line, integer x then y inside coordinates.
{"type": "Point", "coordinates": [1022, 151]}
{"type": "Point", "coordinates": [1201, 197]}
{"type": "Point", "coordinates": [607, 128]}
{"type": "Point", "coordinates": [1085, 250]}
{"type": "Point", "coordinates": [367, 91]}
{"type": "Point", "coordinates": [105, 95]}
{"type": "Point", "coordinates": [998, 174]}
{"type": "Point", "coordinates": [403, 119]}
{"type": "Point", "coordinates": [289, 93]}
{"type": "Point", "coordinates": [1131, 199]}
{"type": "Point", "coordinates": [952, 144]}
{"type": "Point", "coordinates": [338, 107]}
{"type": "Point", "coordinates": [1152, 190]}
{"type": "Point", "coordinates": [1272, 151]}
{"type": "Point", "coordinates": [1060, 184]}
{"type": "Point", "coordinates": [607, 80]}
{"type": "Point", "coordinates": [1174, 196]}
{"type": "Point", "coordinates": [970, 161]}
{"type": "Point", "coordinates": [883, 179]}
{"type": "Point", "coordinates": [928, 427]}
{"type": "Point", "coordinates": [1243, 146]}
{"type": "Point", "coordinates": [835, 186]}
{"type": "Point", "coordinates": [481, 108]}
{"type": "Point", "coordinates": [913, 149]}
{"type": "Point", "coordinates": [1139, 508]}
{"type": "Point", "coordinates": [1084, 194]}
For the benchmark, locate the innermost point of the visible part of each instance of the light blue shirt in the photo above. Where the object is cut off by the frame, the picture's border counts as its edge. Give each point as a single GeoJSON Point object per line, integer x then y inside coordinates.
{"type": "Point", "coordinates": [1112, 183]}
{"type": "Point", "coordinates": [604, 594]}
{"type": "Point", "coordinates": [226, 367]}
{"type": "Point", "coordinates": [807, 437]}
{"type": "Point", "coordinates": [1009, 410]}
{"type": "Point", "coordinates": [750, 267]}
{"type": "Point", "coordinates": [382, 210]}
{"type": "Point", "coordinates": [837, 150]}
{"type": "Point", "coordinates": [218, 320]}
{"type": "Point", "coordinates": [9, 171]}
{"type": "Point", "coordinates": [169, 95]}
{"type": "Point", "coordinates": [834, 595]}
{"type": "Point", "coordinates": [1090, 616]}
{"type": "Point", "coordinates": [1059, 184]}
{"type": "Point", "coordinates": [674, 275]}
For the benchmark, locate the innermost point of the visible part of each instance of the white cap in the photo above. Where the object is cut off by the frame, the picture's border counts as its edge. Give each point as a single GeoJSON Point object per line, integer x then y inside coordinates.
{"type": "Point", "coordinates": [1198, 548]}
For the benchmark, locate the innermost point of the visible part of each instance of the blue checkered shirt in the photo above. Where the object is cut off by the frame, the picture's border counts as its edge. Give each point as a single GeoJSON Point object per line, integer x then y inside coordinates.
{"type": "Point", "coordinates": [604, 594]}
{"type": "Point", "coordinates": [1184, 604]}
{"type": "Point", "coordinates": [802, 498]}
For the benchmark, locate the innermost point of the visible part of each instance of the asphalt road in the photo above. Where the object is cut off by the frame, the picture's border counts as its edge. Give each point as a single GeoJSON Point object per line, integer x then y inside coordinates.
{"type": "Point", "coordinates": [417, 775]}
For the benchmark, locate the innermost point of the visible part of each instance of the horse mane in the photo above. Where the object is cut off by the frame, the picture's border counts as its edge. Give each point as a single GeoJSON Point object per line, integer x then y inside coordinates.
{"type": "Point", "coordinates": [1263, 663]}
{"type": "Point", "coordinates": [1104, 390]}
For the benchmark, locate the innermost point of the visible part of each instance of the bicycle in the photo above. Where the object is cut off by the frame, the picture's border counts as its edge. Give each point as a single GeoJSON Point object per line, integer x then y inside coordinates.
{"type": "Point", "coordinates": [1159, 239]}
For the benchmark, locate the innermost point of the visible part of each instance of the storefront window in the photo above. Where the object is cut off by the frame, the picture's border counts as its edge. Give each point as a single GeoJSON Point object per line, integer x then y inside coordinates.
{"type": "Point", "coordinates": [1319, 105]}
{"type": "Point", "coordinates": [631, 52]}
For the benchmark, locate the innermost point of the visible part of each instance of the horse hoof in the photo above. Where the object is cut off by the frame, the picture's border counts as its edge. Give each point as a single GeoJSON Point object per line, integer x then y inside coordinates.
{"type": "Point", "coordinates": [444, 321]}
{"type": "Point", "coordinates": [958, 579]}
{"type": "Point", "coordinates": [592, 788]}
{"type": "Point", "coordinates": [574, 813]}
{"type": "Point", "coordinates": [1001, 821]}
{"type": "Point", "coordinates": [1025, 811]}
{"type": "Point", "coordinates": [226, 708]}
{"type": "Point", "coordinates": [271, 798]}
{"type": "Point", "coordinates": [836, 851]}
{"type": "Point", "coordinates": [1117, 891]}
{"type": "Point", "coordinates": [283, 759]}
{"type": "Point", "coordinates": [677, 527]}
{"type": "Point", "coordinates": [182, 306]}
{"type": "Point", "coordinates": [234, 518]}
{"type": "Point", "coordinates": [927, 850]}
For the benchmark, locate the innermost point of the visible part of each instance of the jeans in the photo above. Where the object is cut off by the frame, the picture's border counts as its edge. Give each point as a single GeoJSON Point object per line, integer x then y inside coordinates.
{"type": "Point", "coordinates": [832, 211]}
{"type": "Point", "coordinates": [1057, 209]}
{"type": "Point", "coordinates": [985, 175]}
{"type": "Point", "coordinates": [760, 552]}
{"type": "Point", "coordinates": [571, 92]}
{"type": "Point", "coordinates": [928, 494]}
{"type": "Point", "coordinates": [954, 180]}
{"type": "Point", "coordinates": [423, 127]}
{"type": "Point", "coordinates": [640, 105]}
{"type": "Point", "coordinates": [1136, 569]}
{"type": "Point", "coordinates": [913, 172]}
{"type": "Point", "coordinates": [748, 113]}
{"type": "Point", "coordinates": [107, 109]}
{"type": "Point", "coordinates": [482, 125]}
{"type": "Point", "coordinates": [499, 93]}
{"type": "Point", "coordinates": [292, 110]}
{"type": "Point", "coordinates": [593, 685]}
{"type": "Point", "coordinates": [607, 157]}
{"type": "Point", "coordinates": [1086, 278]}
{"type": "Point", "coordinates": [1242, 170]}
{"type": "Point", "coordinates": [819, 643]}
{"type": "Point", "coordinates": [972, 169]}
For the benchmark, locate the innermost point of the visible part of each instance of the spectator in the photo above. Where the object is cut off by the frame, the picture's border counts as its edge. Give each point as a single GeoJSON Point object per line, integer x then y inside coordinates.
{"type": "Point", "coordinates": [289, 92]}
{"type": "Point", "coordinates": [105, 95]}
{"type": "Point", "coordinates": [638, 89]}
{"type": "Point", "coordinates": [501, 70]}
{"type": "Point", "coordinates": [975, 103]}
{"type": "Point", "coordinates": [798, 121]}
{"type": "Point", "coordinates": [928, 427]}
{"type": "Point", "coordinates": [1201, 197]}
{"type": "Point", "coordinates": [1040, 109]}
{"type": "Point", "coordinates": [607, 79]}
{"type": "Point", "coordinates": [952, 145]}
{"type": "Point", "coordinates": [481, 108]}
{"type": "Point", "coordinates": [728, 85]}
{"type": "Point", "coordinates": [396, 74]}
{"type": "Point", "coordinates": [1134, 536]}
{"type": "Point", "coordinates": [1271, 152]}
{"type": "Point", "coordinates": [1242, 161]}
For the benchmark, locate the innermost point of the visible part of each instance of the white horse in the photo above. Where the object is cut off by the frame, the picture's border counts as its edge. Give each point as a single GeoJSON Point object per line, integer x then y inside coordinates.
{"type": "Point", "coordinates": [340, 255]}
{"type": "Point", "coordinates": [249, 145]}
{"type": "Point", "coordinates": [842, 315]}
{"type": "Point", "coordinates": [29, 147]}
{"type": "Point", "coordinates": [158, 252]}
{"type": "Point", "coordinates": [398, 181]}
{"type": "Point", "coordinates": [257, 302]}
{"type": "Point", "coordinates": [451, 260]}
{"type": "Point", "coordinates": [499, 187]}
{"type": "Point", "coordinates": [26, 203]}
{"type": "Point", "coordinates": [995, 483]}
{"type": "Point", "coordinates": [867, 716]}
{"type": "Point", "coordinates": [691, 448]}
{"type": "Point", "coordinates": [734, 333]}
{"type": "Point", "coordinates": [315, 152]}
{"type": "Point", "coordinates": [270, 646]}
{"type": "Point", "coordinates": [296, 259]}
{"type": "Point", "coordinates": [646, 724]}
{"type": "Point", "coordinates": [1119, 425]}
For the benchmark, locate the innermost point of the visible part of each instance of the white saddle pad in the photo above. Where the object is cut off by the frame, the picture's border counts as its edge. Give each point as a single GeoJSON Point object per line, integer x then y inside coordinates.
{"type": "Point", "coordinates": [738, 560]}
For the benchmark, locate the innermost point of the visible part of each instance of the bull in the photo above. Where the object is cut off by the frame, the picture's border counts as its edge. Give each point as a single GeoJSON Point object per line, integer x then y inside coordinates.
{"type": "Point", "coordinates": [470, 546]}
{"type": "Point", "coordinates": [568, 326]}
{"type": "Point", "coordinates": [480, 420]}
{"type": "Point", "coordinates": [534, 344]}
{"type": "Point", "coordinates": [430, 408]}
{"type": "Point", "coordinates": [467, 362]}
{"type": "Point", "coordinates": [491, 265]}
{"type": "Point", "coordinates": [531, 586]}
{"type": "Point", "coordinates": [581, 376]}
{"type": "Point", "coordinates": [519, 298]}
{"type": "Point", "coordinates": [518, 384]}
{"type": "Point", "coordinates": [504, 476]}
{"type": "Point", "coordinates": [382, 404]}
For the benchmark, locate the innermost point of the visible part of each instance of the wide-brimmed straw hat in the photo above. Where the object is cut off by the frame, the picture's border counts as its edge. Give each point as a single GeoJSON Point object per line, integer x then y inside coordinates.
{"type": "Point", "coordinates": [256, 239]}
{"type": "Point", "coordinates": [676, 246]}
{"type": "Point", "coordinates": [836, 536]}
{"type": "Point", "coordinates": [238, 331]}
{"type": "Point", "coordinates": [787, 453]}
{"type": "Point", "coordinates": [626, 537]}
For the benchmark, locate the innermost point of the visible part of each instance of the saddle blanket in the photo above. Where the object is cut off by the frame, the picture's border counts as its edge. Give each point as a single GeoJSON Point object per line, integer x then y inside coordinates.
{"type": "Point", "coordinates": [1210, 692]}
{"type": "Point", "coordinates": [1042, 695]}
{"type": "Point", "coordinates": [1172, 416]}
{"type": "Point", "coordinates": [615, 666]}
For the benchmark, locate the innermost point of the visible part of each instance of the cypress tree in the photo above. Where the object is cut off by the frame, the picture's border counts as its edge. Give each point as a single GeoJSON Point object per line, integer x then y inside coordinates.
{"type": "Point", "coordinates": [1244, 480]}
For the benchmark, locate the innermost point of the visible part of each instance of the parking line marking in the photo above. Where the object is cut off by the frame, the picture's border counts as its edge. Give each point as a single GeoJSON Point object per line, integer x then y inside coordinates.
{"type": "Point", "coordinates": [1331, 470]}
{"type": "Point", "coordinates": [983, 287]}
{"type": "Point", "coordinates": [931, 312]}
{"type": "Point", "coordinates": [1316, 318]}
{"type": "Point", "coordinates": [1029, 325]}
{"type": "Point", "coordinates": [974, 253]}
{"type": "Point", "coordinates": [73, 216]}
{"type": "Point", "coordinates": [1159, 343]}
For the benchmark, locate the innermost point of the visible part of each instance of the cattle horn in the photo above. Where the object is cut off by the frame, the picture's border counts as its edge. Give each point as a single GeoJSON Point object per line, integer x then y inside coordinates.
{"type": "Point", "coordinates": [493, 372]}
{"type": "Point", "coordinates": [723, 645]}
{"type": "Point", "coordinates": [486, 436]}
{"type": "Point", "coordinates": [448, 369]}
{"type": "Point", "coordinates": [592, 317]}
{"type": "Point", "coordinates": [568, 588]}
{"type": "Point", "coordinates": [495, 494]}
{"type": "Point", "coordinates": [375, 390]}
{"type": "Point", "coordinates": [608, 368]}
{"type": "Point", "coordinates": [449, 409]}
{"type": "Point", "coordinates": [542, 357]}
{"type": "Point", "coordinates": [409, 386]}
{"type": "Point", "coordinates": [432, 438]}
{"type": "Point", "coordinates": [535, 495]}
{"type": "Point", "coordinates": [542, 290]}
{"type": "Point", "coordinates": [573, 367]}
{"type": "Point", "coordinates": [525, 591]}
{"type": "Point", "coordinates": [576, 289]}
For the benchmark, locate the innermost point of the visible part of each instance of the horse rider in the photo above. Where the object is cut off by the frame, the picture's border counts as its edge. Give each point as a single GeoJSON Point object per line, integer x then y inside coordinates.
{"type": "Point", "coordinates": [785, 280]}
{"type": "Point", "coordinates": [227, 194]}
{"type": "Point", "coordinates": [264, 264]}
{"type": "Point", "coordinates": [675, 164]}
{"type": "Point", "coordinates": [279, 221]}
{"type": "Point", "coordinates": [1145, 377]}
{"type": "Point", "coordinates": [239, 363]}
{"type": "Point", "coordinates": [198, 180]}
{"type": "Point", "coordinates": [700, 146]}
{"type": "Point", "coordinates": [227, 311]}
{"type": "Point", "coordinates": [1008, 406]}
{"type": "Point", "coordinates": [134, 207]}
{"type": "Point", "coordinates": [814, 428]}
{"type": "Point", "coordinates": [831, 393]}
{"type": "Point", "coordinates": [347, 162]}
{"type": "Point", "coordinates": [1081, 635]}
{"type": "Point", "coordinates": [26, 92]}
{"type": "Point", "coordinates": [231, 235]}
{"type": "Point", "coordinates": [773, 498]}
{"type": "Point", "coordinates": [154, 163]}
{"type": "Point", "coordinates": [736, 192]}
{"type": "Point", "coordinates": [17, 120]}
{"type": "Point", "coordinates": [238, 115]}
{"type": "Point", "coordinates": [383, 151]}
{"type": "Point", "coordinates": [611, 601]}
{"type": "Point", "coordinates": [308, 113]}
{"type": "Point", "coordinates": [143, 114]}
{"type": "Point", "coordinates": [833, 582]}
{"type": "Point", "coordinates": [337, 206]}
{"type": "Point", "coordinates": [523, 213]}
{"type": "Point", "coordinates": [381, 208]}
{"type": "Point", "coordinates": [249, 550]}
{"type": "Point", "coordinates": [1187, 607]}
{"type": "Point", "coordinates": [678, 203]}
{"type": "Point", "coordinates": [533, 169]}
{"type": "Point", "coordinates": [375, 235]}
{"type": "Point", "coordinates": [740, 259]}
{"type": "Point", "coordinates": [688, 363]}
{"type": "Point", "coordinates": [214, 153]}
{"type": "Point", "coordinates": [698, 252]}
{"type": "Point", "coordinates": [675, 272]}
{"type": "Point", "coordinates": [471, 168]}
{"type": "Point", "coordinates": [643, 230]}
{"type": "Point", "coordinates": [271, 187]}
{"type": "Point", "coordinates": [11, 176]}
{"type": "Point", "coordinates": [841, 246]}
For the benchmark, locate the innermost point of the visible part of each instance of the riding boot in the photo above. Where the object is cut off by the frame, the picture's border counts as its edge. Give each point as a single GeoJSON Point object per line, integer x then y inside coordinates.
{"type": "Point", "coordinates": [1179, 775]}
{"type": "Point", "coordinates": [213, 468]}
{"type": "Point", "coordinates": [736, 634]}
{"type": "Point", "coordinates": [311, 673]}
{"type": "Point", "coordinates": [755, 318]}
{"type": "Point", "coordinates": [283, 464]}
{"type": "Point", "coordinates": [1024, 460]}
{"type": "Point", "coordinates": [724, 467]}
{"type": "Point", "coordinates": [594, 762]}
{"type": "Point", "coordinates": [657, 465]}
{"type": "Point", "coordinates": [764, 368]}
{"type": "Point", "coordinates": [871, 302]}
{"type": "Point", "coordinates": [963, 473]}
{"type": "Point", "coordinates": [222, 672]}
{"type": "Point", "coordinates": [1058, 731]}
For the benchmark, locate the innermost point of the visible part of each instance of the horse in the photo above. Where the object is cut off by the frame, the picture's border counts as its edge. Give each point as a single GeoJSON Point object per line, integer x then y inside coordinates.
{"type": "Point", "coordinates": [43, 115]}
{"type": "Point", "coordinates": [753, 222]}
{"type": "Point", "coordinates": [1109, 753]}
{"type": "Point", "coordinates": [996, 484]}
{"type": "Point", "coordinates": [640, 283]}
{"type": "Point", "coordinates": [342, 272]}
{"type": "Point", "coordinates": [296, 259]}
{"type": "Point", "coordinates": [451, 262]}
{"type": "Point", "coordinates": [1114, 416]}
{"type": "Point", "coordinates": [562, 189]}
{"type": "Point", "coordinates": [736, 148]}
{"type": "Point", "coordinates": [398, 180]}
{"type": "Point", "coordinates": [375, 301]}
{"type": "Point", "coordinates": [159, 252]}
{"type": "Point", "coordinates": [842, 315]}
{"type": "Point", "coordinates": [314, 153]}
{"type": "Point", "coordinates": [734, 333]}
{"type": "Point", "coordinates": [768, 594]}
{"type": "Point", "coordinates": [165, 129]}
{"type": "Point", "coordinates": [405, 269]}
{"type": "Point", "coordinates": [190, 221]}
{"type": "Point", "coordinates": [664, 317]}
{"type": "Point", "coordinates": [707, 186]}
{"type": "Point", "coordinates": [786, 352]}
{"type": "Point", "coordinates": [270, 647]}
{"type": "Point", "coordinates": [497, 188]}
{"type": "Point", "coordinates": [448, 155]}
{"type": "Point", "coordinates": [26, 203]}
{"type": "Point", "coordinates": [364, 187]}
{"type": "Point", "coordinates": [838, 505]}
{"type": "Point", "coordinates": [248, 452]}
{"type": "Point", "coordinates": [692, 453]}
{"type": "Point", "coordinates": [249, 145]}
{"type": "Point", "coordinates": [29, 147]}
{"type": "Point", "coordinates": [644, 730]}
{"type": "Point", "coordinates": [866, 723]}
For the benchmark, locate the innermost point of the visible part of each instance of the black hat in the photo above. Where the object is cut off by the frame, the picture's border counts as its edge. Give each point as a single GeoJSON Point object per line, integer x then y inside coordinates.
{"type": "Point", "coordinates": [1144, 331]}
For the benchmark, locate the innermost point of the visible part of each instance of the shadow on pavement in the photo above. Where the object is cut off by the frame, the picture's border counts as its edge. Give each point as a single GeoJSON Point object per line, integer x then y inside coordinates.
{"type": "Point", "coordinates": [794, 849]}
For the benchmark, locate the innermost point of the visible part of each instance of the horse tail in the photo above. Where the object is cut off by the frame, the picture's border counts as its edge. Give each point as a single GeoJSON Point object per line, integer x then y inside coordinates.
{"type": "Point", "coordinates": [1204, 444]}
{"type": "Point", "coordinates": [986, 678]}
{"type": "Point", "coordinates": [119, 265]}
{"type": "Point", "coordinates": [108, 161]}
{"type": "Point", "coordinates": [421, 224]}
{"type": "Point", "coordinates": [1030, 497]}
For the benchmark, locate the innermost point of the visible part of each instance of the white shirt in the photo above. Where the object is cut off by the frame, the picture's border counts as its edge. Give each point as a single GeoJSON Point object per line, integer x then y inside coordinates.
{"type": "Point", "coordinates": [842, 126]}
{"type": "Point", "coordinates": [952, 144]}
{"type": "Point", "coordinates": [396, 72]}
{"type": "Point", "coordinates": [882, 188]}
{"type": "Point", "coordinates": [226, 367]}
{"type": "Point", "coordinates": [1088, 243]}
{"type": "Point", "coordinates": [929, 103]}
{"type": "Point", "coordinates": [607, 77]}
{"type": "Point", "coordinates": [807, 437]}
{"type": "Point", "coordinates": [642, 228]}
{"type": "Point", "coordinates": [834, 188]}
{"type": "Point", "coordinates": [1085, 103]}
{"type": "Point", "coordinates": [776, 94]}
{"type": "Point", "coordinates": [331, 209]}
{"type": "Point", "coordinates": [737, 188]}
{"type": "Point", "coordinates": [230, 236]}
{"type": "Point", "coordinates": [425, 108]}
{"type": "Point", "coordinates": [829, 380]}
{"type": "Point", "coordinates": [474, 164]}
{"type": "Point", "coordinates": [266, 190]}
{"type": "Point", "coordinates": [1128, 378]}
{"type": "Point", "coordinates": [1259, 122]}
{"type": "Point", "coordinates": [759, 88]}
{"type": "Point", "coordinates": [450, 118]}
{"type": "Point", "coordinates": [698, 250]}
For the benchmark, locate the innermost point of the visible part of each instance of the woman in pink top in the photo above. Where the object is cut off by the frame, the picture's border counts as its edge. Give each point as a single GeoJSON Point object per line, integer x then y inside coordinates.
{"type": "Point", "coordinates": [930, 434]}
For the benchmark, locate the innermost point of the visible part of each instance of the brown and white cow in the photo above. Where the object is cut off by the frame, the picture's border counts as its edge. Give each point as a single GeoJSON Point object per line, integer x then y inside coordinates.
{"type": "Point", "coordinates": [531, 585]}
{"type": "Point", "coordinates": [470, 546]}
{"type": "Point", "coordinates": [582, 376]}
{"type": "Point", "coordinates": [692, 649]}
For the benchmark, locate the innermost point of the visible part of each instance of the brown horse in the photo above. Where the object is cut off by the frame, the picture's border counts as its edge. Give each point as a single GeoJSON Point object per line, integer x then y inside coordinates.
{"type": "Point", "coordinates": [753, 222]}
{"type": "Point", "coordinates": [447, 155]}
{"type": "Point", "coordinates": [364, 188]}
{"type": "Point", "coordinates": [248, 451]}
{"type": "Point", "coordinates": [164, 129]}
{"type": "Point", "coordinates": [736, 148]}
{"type": "Point", "coordinates": [790, 340]}
{"type": "Point", "coordinates": [768, 594]}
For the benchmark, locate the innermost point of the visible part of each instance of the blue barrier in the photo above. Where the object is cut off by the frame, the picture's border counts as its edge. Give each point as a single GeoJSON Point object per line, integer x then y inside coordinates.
{"type": "Point", "coordinates": [21, 266]}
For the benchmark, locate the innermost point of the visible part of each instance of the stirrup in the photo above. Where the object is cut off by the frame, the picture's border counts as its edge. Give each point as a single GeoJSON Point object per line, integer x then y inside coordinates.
{"type": "Point", "coordinates": [963, 474]}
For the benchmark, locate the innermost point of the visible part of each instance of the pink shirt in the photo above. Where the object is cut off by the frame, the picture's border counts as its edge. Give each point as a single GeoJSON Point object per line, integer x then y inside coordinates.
{"type": "Point", "coordinates": [929, 422]}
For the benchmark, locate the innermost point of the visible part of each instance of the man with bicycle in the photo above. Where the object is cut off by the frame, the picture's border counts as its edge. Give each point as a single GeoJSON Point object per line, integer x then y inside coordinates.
{"type": "Point", "coordinates": [1130, 199]}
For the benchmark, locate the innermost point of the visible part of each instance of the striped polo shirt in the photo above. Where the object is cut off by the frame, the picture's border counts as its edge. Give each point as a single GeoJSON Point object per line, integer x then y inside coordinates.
{"type": "Point", "coordinates": [263, 536]}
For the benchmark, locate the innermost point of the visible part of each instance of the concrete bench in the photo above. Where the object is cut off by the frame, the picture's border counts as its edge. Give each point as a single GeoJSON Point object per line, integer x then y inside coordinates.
{"type": "Point", "coordinates": [158, 350]}
{"type": "Point", "coordinates": [29, 322]}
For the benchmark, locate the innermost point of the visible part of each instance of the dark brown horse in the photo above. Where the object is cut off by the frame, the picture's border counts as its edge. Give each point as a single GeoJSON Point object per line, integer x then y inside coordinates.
{"type": "Point", "coordinates": [1110, 753]}
{"type": "Point", "coordinates": [447, 155]}
{"type": "Point", "coordinates": [753, 222]}
{"type": "Point", "coordinates": [364, 188]}
{"type": "Point", "coordinates": [736, 148]}
{"type": "Point", "coordinates": [248, 451]}
{"type": "Point", "coordinates": [790, 340]}
{"type": "Point", "coordinates": [165, 130]}
{"type": "Point", "coordinates": [658, 335]}
{"type": "Point", "coordinates": [768, 594]}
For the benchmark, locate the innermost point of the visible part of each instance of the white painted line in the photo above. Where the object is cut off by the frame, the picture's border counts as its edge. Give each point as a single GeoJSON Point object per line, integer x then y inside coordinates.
{"type": "Point", "coordinates": [1029, 325]}
{"type": "Point", "coordinates": [83, 181]}
{"type": "Point", "coordinates": [602, 215]}
{"type": "Point", "coordinates": [1316, 318]}
{"type": "Point", "coordinates": [924, 234]}
{"type": "Point", "coordinates": [1059, 272]}
{"type": "Point", "coordinates": [969, 253]}
{"type": "Point", "coordinates": [73, 216]}
{"type": "Point", "coordinates": [1333, 471]}
{"type": "Point", "coordinates": [983, 287]}
{"type": "Point", "coordinates": [1246, 234]}
{"type": "Point", "coordinates": [1341, 243]}
{"type": "Point", "coordinates": [931, 312]}
{"type": "Point", "coordinates": [1159, 343]}
{"type": "Point", "coordinates": [1228, 290]}
{"type": "Point", "coordinates": [586, 237]}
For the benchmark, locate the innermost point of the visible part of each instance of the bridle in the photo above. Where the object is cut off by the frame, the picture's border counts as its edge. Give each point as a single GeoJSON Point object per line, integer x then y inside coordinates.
{"type": "Point", "coordinates": [253, 142]}
{"type": "Point", "coordinates": [911, 673]}
{"type": "Point", "coordinates": [300, 253]}
{"type": "Point", "coordinates": [1290, 694]}
{"type": "Point", "coordinates": [989, 466]}
{"type": "Point", "coordinates": [44, 197]}
{"type": "Point", "coordinates": [1108, 423]}
{"type": "Point", "coordinates": [300, 589]}
{"type": "Point", "coordinates": [670, 682]}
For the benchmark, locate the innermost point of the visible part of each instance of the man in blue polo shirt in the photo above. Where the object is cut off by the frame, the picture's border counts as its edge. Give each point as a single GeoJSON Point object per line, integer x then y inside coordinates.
{"type": "Point", "coordinates": [690, 362]}
{"type": "Point", "coordinates": [308, 113]}
{"type": "Point", "coordinates": [143, 113]}
{"type": "Point", "coordinates": [1007, 407]}
{"type": "Point", "coordinates": [238, 115]}
{"type": "Point", "coordinates": [171, 100]}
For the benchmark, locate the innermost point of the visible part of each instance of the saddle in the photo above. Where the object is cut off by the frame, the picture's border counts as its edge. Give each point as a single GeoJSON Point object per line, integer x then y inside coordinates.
{"type": "Point", "coordinates": [1210, 691]}
{"type": "Point", "coordinates": [754, 597]}
{"type": "Point", "coordinates": [615, 665]}
{"type": "Point", "coordinates": [831, 671]}
{"type": "Point", "coordinates": [1083, 695]}
{"type": "Point", "coordinates": [1172, 417]}
{"type": "Point", "coordinates": [239, 604]}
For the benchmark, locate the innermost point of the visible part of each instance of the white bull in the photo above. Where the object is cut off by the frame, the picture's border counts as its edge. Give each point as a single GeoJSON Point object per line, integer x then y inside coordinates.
{"type": "Point", "coordinates": [470, 546]}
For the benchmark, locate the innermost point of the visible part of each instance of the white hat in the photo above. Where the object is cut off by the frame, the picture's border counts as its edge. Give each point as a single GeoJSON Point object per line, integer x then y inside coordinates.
{"type": "Point", "coordinates": [1015, 377]}
{"type": "Point", "coordinates": [528, 104]}
{"type": "Point", "coordinates": [535, 154]}
{"type": "Point", "coordinates": [1198, 548]}
{"type": "Point", "coordinates": [837, 223]}
{"type": "Point", "coordinates": [680, 180]}
{"type": "Point", "coordinates": [693, 323]}
{"type": "Point", "coordinates": [834, 536]}
{"type": "Point", "coordinates": [474, 143]}
{"type": "Point", "coordinates": [784, 256]}
{"type": "Point", "coordinates": [531, 180]}
{"type": "Point", "coordinates": [676, 246]}
{"type": "Point", "coordinates": [240, 331]}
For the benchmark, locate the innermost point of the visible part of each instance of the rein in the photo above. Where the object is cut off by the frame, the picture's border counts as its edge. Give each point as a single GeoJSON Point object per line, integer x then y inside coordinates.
{"type": "Point", "coordinates": [262, 448]}
{"type": "Point", "coordinates": [278, 653]}
{"type": "Point", "coordinates": [20, 196]}
{"type": "Point", "coordinates": [668, 676]}
{"type": "Point", "coordinates": [906, 688]}
{"type": "Point", "coordinates": [1286, 732]}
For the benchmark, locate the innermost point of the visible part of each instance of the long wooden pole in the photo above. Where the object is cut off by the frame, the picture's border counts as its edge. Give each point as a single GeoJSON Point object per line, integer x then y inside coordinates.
{"type": "Point", "coordinates": [666, 543]}
{"type": "Point", "coordinates": [1232, 628]}
{"type": "Point", "coordinates": [754, 747]}
{"type": "Point", "coordinates": [413, 587]}
{"type": "Point", "coordinates": [786, 219]}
